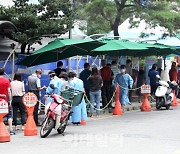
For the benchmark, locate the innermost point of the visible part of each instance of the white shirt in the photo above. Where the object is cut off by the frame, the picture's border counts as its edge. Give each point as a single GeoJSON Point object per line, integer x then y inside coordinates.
{"type": "Point", "coordinates": [17, 88]}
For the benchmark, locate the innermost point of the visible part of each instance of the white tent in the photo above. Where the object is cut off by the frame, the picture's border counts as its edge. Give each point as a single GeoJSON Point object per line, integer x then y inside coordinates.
{"type": "Point", "coordinates": [126, 32]}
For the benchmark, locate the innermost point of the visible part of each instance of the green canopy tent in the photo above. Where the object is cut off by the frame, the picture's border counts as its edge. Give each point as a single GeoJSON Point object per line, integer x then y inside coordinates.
{"type": "Point", "coordinates": [60, 49]}
{"type": "Point", "coordinates": [128, 48]}
{"type": "Point", "coordinates": [119, 48]}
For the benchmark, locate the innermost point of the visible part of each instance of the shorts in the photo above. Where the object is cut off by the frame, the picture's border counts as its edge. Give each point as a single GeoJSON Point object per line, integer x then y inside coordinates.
{"type": "Point", "coordinates": [9, 115]}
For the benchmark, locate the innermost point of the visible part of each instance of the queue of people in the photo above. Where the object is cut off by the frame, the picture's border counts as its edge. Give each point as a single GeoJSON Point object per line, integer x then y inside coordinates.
{"type": "Point", "coordinates": [97, 84]}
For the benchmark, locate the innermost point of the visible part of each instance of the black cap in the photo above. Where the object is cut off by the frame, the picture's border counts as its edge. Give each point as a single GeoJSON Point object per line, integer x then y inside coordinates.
{"type": "Point", "coordinates": [51, 73]}
{"type": "Point", "coordinates": [123, 67]}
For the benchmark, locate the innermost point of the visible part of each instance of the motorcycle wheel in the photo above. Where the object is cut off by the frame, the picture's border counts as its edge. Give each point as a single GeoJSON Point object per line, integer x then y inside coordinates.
{"type": "Point", "coordinates": [47, 127]}
{"type": "Point", "coordinates": [167, 107]}
{"type": "Point", "coordinates": [159, 101]}
{"type": "Point", "coordinates": [62, 129]}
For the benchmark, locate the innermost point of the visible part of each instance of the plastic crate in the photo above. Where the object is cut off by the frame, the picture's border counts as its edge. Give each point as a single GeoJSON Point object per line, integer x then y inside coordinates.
{"type": "Point", "coordinates": [74, 94]}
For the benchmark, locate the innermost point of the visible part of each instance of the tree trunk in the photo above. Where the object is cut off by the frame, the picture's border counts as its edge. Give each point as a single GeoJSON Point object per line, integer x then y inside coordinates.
{"type": "Point", "coordinates": [23, 47]}
{"type": "Point", "coordinates": [116, 24]}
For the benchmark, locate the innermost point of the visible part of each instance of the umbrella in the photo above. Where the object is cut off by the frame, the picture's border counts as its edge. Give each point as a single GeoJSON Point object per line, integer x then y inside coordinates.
{"type": "Point", "coordinates": [128, 48]}
{"type": "Point", "coordinates": [156, 50]}
{"type": "Point", "coordinates": [60, 49]}
{"type": "Point", "coordinates": [119, 47]}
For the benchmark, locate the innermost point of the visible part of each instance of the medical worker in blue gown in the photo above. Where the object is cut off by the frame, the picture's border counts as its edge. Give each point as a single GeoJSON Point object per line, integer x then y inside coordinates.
{"type": "Point", "coordinates": [56, 85]}
{"type": "Point", "coordinates": [124, 80]}
{"type": "Point", "coordinates": [79, 112]}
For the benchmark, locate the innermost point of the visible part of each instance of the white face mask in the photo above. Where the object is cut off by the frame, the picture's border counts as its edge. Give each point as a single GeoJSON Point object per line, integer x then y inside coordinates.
{"type": "Point", "coordinates": [123, 70]}
{"type": "Point", "coordinates": [39, 76]}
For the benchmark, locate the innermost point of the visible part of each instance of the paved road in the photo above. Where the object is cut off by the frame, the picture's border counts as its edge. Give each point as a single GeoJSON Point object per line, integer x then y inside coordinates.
{"type": "Point", "coordinates": [156, 132]}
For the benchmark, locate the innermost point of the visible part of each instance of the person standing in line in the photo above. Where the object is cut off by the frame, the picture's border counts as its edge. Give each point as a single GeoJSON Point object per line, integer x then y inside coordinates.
{"type": "Point", "coordinates": [129, 71]}
{"type": "Point", "coordinates": [125, 81]}
{"type": "Point", "coordinates": [107, 77]}
{"type": "Point", "coordinates": [34, 86]}
{"type": "Point", "coordinates": [5, 93]}
{"type": "Point", "coordinates": [173, 73]}
{"type": "Point", "coordinates": [114, 68]}
{"type": "Point", "coordinates": [95, 84]}
{"type": "Point", "coordinates": [18, 90]}
{"type": "Point", "coordinates": [59, 68]}
{"type": "Point", "coordinates": [79, 112]}
{"type": "Point", "coordinates": [153, 75]}
{"type": "Point", "coordinates": [140, 81]}
{"type": "Point", "coordinates": [84, 75]}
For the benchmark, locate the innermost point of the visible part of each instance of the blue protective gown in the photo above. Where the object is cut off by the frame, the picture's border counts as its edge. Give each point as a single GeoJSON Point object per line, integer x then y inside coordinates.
{"type": "Point", "coordinates": [59, 86]}
{"type": "Point", "coordinates": [79, 112]}
{"type": "Point", "coordinates": [125, 81]}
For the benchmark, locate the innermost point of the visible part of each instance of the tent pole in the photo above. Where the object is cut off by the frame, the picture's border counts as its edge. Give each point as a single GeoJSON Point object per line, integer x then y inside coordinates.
{"type": "Point", "coordinates": [13, 65]}
{"type": "Point", "coordinates": [164, 63]}
{"type": "Point", "coordinates": [69, 64]}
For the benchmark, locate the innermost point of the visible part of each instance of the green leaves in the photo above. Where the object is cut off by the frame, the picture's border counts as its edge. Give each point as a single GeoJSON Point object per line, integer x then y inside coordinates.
{"type": "Point", "coordinates": [35, 20]}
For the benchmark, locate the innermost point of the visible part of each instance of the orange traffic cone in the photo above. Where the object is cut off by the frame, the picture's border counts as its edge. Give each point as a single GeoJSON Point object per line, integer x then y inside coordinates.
{"type": "Point", "coordinates": [4, 134]}
{"type": "Point", "coordinates": [30, 127]}
{"type": "Point", "coordinates": [174, 103]}
{"type": "Point", "coordinates": [145, 105]}
{"type": "Point", "coordinates": [117, 110]}
{"type": "Point", "coordinates": [83, 122]}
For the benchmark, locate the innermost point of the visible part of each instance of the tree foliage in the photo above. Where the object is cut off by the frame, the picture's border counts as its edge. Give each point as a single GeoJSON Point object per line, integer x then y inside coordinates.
{"type": "Point", "coordinates": [35, 20]}
{"type": "Point", "coordinates": [165, 13]}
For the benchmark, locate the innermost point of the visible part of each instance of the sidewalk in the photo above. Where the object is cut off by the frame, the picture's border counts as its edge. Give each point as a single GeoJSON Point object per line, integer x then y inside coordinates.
{"type": "Point", "coordinates": [135, 106]}
{"type": "Point", "coordinates": [105, 113]}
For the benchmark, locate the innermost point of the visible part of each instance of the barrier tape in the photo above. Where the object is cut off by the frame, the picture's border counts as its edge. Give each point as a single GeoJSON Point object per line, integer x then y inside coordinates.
{"type": "Point", "coordinates": [88, 101]}
{"type": "Point", "coordinates": [129, 88]}
{"type": "Point", "coordinates": [106, 104]}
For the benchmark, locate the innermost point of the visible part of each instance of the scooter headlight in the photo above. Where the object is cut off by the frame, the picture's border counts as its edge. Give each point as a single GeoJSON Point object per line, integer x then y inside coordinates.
{"type": "Point", "coordinates": [59, 100]}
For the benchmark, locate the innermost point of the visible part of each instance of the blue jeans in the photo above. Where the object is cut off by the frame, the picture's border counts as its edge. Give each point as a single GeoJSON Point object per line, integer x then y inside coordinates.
{"type": "Point", "coordinates": [95, 97]}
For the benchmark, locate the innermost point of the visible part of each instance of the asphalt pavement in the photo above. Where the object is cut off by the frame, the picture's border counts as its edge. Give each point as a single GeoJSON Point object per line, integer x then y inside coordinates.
{"type": "Point", "coordinates": [135, 132]}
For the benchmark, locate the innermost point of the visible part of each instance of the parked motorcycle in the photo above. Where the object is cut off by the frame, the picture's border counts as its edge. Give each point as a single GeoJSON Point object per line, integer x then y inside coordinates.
{"type": "Point", "coordinates": [164, 94]}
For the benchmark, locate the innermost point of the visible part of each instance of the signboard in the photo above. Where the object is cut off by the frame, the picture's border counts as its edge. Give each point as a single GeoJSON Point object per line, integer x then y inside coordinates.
{"type": "Point", "coordinates": [29, 99]}
{"type": "Point", "coordinates": [145, 89]}
{"type": "Point", "coordinates": [135, 65]}
{"type": "Point", "coordinates": [3, 106]}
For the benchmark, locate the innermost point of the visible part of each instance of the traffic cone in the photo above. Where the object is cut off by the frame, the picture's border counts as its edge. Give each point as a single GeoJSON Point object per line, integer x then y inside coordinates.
{"type": "Point", "coordinates": [4, 134]}
{"type": "Point", "coordinates": [83, 122]}
{"type": "Point", "coordinates": [145, 105]}
{"type": "Point", "coordinates": [117, 110]}
{"type": "Point", "coordinates": [30, 127]}
{"type": "Point", "coordinates": [174, 103]}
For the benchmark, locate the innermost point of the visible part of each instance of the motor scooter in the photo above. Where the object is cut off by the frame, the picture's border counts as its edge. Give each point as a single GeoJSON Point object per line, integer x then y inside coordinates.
{"type": "Point", "coordinates": [164, 94]}
{"type": "Point", "coordinates": [59, 104]}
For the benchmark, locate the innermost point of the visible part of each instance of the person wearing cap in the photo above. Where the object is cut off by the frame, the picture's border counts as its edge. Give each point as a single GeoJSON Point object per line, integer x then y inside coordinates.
{"type": "Point", "coordinates": [34, 86]}
{"type": "Point", "coordinates": [56, 85]}
{"type": "Point", "coordinates": [79, 112]}
{"type": "Point", "coordinates": [5, 90]}
{"type": "Point", "coordinates": [125, 81]}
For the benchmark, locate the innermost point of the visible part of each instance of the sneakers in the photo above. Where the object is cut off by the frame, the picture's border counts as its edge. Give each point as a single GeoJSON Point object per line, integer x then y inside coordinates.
{"type": "Point", "coordinates": [91, 115]}
{"type": "Point", "coordinates": [12, 132]}
{"type": "Point", "coordinates": [130, 103]}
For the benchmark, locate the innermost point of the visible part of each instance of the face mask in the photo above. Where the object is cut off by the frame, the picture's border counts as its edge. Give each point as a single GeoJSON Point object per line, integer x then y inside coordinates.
{"type": "Point", "coordinates": [123, 70]}
{"type": "Point", "coordinates": [51, 78]}
{"type": "Point", "coordinates": [39, 76]}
